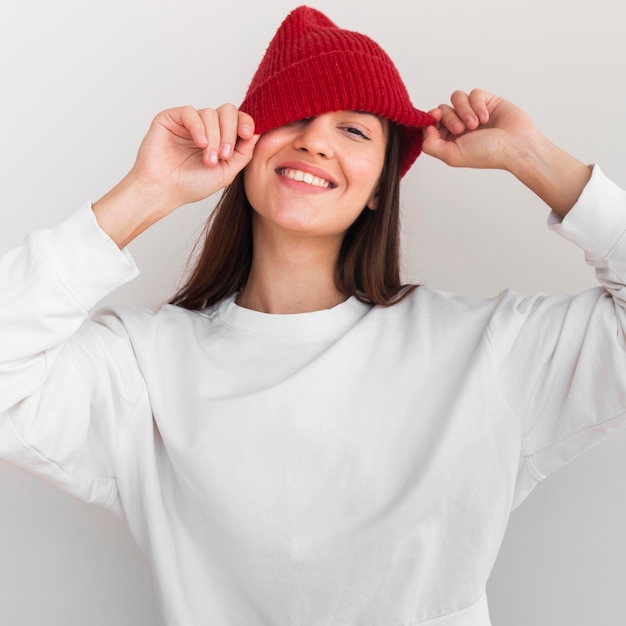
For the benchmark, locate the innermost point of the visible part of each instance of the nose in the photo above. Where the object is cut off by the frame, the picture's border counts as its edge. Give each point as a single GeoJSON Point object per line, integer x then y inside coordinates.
{"type": "Point", "coordinates": [314, 136]}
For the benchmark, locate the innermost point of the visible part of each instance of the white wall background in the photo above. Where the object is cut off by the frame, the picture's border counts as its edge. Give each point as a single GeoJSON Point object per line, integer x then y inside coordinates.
{"type": "Point", "coordinates": [79, 84]}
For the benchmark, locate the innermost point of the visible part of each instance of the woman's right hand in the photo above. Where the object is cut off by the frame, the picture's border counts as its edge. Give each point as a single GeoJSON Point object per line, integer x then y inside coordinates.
{"type": "Point", "coordinates": [189, 154]}
{"type": "Point", "coordinates": [186, 156]}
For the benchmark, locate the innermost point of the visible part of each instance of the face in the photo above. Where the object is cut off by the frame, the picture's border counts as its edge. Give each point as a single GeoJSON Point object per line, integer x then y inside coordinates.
{"type": "Point", "coordinates": [315, 176]}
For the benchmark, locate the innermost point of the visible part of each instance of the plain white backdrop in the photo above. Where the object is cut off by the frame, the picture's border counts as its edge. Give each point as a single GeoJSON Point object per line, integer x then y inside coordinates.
{"type": "Point", "coordinates": [80, 82]}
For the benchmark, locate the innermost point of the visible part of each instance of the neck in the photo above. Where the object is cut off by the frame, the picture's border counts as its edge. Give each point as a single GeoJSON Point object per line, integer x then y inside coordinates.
{"type": "Point", "coordinates": [293, 275]}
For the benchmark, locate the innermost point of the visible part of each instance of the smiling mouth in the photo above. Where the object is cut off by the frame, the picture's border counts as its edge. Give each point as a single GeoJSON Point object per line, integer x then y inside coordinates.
{"type": "Point", "coordinates": [305, 177]}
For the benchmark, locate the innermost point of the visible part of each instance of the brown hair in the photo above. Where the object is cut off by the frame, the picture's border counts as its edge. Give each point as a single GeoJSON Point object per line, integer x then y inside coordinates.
{"type": "Point", "coordinates": [368, 265]}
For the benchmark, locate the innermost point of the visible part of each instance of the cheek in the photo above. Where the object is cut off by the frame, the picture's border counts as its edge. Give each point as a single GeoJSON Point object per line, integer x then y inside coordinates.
{"type": "Point", "coordinates": [251, 176]}
{"type": "Point", "coordinates": [269, 142]}
{"type": "Point", "coordinates": [249, 184]}
{"type": "Point", "coordinates": [257, 167]}
{"type": "Point", "coordinates": [366, 173]}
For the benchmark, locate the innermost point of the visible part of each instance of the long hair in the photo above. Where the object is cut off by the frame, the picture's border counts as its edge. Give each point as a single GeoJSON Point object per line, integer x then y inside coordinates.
{"type": "Point", "coordinates": [368, 264]}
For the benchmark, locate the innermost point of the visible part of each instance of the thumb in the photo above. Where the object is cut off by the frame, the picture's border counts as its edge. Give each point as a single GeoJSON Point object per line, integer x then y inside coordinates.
{"type": "Point", "coordinates": [244, 149]}
{"type": "Point", "coordinates": [432, 142]}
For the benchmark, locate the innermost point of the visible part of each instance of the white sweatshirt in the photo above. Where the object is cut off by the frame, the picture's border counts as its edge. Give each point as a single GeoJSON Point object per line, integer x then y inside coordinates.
{"type": "Point", "coordinates": [349, 467]}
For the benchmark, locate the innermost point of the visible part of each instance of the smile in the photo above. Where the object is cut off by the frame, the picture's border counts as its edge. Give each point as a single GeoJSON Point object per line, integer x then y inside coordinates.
{"type": "Point", "coordinates": [305, 177]}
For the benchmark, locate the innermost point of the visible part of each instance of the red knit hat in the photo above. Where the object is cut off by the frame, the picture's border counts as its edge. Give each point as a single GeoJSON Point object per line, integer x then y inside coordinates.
{"type": "Point", "coordinates": [312, 66]}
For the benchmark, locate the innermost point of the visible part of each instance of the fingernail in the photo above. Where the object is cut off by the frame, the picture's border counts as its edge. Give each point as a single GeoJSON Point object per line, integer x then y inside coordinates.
{"type": "Point", "coordinates": [246, 129]}
{"type": "Point", "coordinates": [213, 156]}
{"type": "Point", "coordinates": [226, 150]}
{"type": "Point", "coordinates": [457, 127]}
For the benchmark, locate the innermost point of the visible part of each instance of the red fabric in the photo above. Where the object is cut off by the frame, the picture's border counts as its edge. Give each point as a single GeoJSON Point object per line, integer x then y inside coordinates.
{"type": "Point", "coordinates": [312, 66]}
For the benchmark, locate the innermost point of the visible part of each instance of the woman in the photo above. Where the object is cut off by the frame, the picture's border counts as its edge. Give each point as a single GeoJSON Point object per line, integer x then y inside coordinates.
{"type": "Point", "coordinates": [299, 438]}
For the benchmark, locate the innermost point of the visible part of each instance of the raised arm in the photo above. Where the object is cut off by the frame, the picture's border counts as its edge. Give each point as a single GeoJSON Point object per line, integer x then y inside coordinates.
{"type": "Point", "coordinates": [560, 359]}
{"type": "Point", "coordinates": [481, 130]}
{"type": "Point", "coordinates": [186, 156]}
{"type": "Point", "coordinates": [70, 385]}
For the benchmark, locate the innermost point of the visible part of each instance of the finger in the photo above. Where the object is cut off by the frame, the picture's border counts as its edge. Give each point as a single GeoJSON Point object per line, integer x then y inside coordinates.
{"type": "Point", "coordinates": [463, 107]}
{"type": "Point", "coordinates": [436, 113]}
{"type": "Point", "coordinates": [245, 128]}
{"type": "Point", "coordinates": [188, 118]}
{"type": "Point", "coordinates": [228, 122]}
{"type": "Point", "coordinates": [478, 101]}
{"type": "Point", "coordinates": [210, 119]}
{"type": "Point", "coordinates": [450, 119]}
{"type": "Point", "coordinates": [244, 150]}
{"type": "Point", "coordinates": [242, 154]}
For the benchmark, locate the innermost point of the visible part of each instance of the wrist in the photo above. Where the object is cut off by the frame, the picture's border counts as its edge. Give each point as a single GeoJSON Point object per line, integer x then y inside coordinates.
{"type": "Point", "coordinates": [526, 158]}
{"type": "Point", "coordinates": [131, 207]}
{"type": "Point", "coordinates": [554, 175]}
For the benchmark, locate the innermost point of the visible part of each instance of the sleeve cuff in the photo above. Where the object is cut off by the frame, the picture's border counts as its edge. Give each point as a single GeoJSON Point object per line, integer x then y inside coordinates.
{"type": "Point", "coordinates": [82, 256]}
{"type": "Point", "coordinates": [598, 219]}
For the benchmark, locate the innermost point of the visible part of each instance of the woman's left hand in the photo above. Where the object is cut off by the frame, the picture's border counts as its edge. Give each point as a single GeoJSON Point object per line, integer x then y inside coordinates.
{"type": "Point", "coordinates": [478, 129]}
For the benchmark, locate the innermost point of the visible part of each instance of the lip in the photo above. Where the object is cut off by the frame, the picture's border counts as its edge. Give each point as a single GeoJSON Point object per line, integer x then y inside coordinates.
{"type": "Point", "coordinates": [309, 169]}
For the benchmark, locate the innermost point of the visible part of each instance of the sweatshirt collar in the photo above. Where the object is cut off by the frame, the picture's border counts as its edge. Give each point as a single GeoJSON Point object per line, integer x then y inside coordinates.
{"type": "Point", "coordinates": [324, 322]}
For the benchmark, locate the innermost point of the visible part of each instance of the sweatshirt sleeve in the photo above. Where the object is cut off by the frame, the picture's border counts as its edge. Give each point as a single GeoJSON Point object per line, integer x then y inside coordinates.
{"type": "Point", "coordinates": [68, 384]}
{"type": "Point", "coordinates": [563, 358]}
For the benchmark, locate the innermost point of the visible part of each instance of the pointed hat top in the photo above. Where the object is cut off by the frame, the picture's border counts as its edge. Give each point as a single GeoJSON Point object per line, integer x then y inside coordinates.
{"type": "Point", "coordinates": [312, 66]}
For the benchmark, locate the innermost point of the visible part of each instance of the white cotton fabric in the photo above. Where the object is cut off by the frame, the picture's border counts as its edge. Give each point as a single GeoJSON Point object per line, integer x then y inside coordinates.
{"type": "Point", "coordinates": [349, 467]}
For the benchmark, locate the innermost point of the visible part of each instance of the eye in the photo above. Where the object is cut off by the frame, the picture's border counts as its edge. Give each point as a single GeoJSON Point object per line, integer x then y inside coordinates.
{"type": "Point", "coordinates": [355, 131]}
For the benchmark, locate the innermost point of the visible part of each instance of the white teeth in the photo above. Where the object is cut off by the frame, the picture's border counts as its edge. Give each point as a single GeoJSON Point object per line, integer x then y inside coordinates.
{"type": "Point", "coordinates": [305, 177]}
